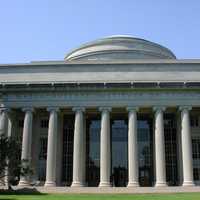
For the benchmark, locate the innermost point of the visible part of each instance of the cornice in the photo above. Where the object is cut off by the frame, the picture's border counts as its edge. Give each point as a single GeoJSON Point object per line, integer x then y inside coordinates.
{"type": "Point", "coordinates": [103, 62]}
{"type": "Point", "coordinates": [25, 90]}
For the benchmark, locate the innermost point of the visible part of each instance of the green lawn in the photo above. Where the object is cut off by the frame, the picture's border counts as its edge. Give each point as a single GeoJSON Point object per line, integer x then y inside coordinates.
{"type": "Point", "coordinates": [179, 196]}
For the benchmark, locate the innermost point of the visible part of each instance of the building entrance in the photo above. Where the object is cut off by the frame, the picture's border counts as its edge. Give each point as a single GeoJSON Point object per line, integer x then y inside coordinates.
{"type": "Point", "coordinates": [196, 158]}
{"type": "Point", "coordinates": [145, 151]}
{"type": "Point", "coordinates": [68, 141]}
{"type": "Point", "coordinates": [93, 129]}
{"type": "Point", "coordinates": [171, 149]}
{"type": "Point", "coordinates": [119, 150]}
{"type": "Point", "coordinates": [119, 147]}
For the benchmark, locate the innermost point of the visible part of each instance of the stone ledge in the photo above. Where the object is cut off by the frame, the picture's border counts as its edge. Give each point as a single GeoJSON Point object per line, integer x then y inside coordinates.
{"type": "Point", "coordinates": [110, 190]}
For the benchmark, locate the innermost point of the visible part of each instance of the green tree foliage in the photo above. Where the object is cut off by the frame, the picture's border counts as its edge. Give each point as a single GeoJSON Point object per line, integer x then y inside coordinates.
{"type": "Point", "coordinates": [11, 165]}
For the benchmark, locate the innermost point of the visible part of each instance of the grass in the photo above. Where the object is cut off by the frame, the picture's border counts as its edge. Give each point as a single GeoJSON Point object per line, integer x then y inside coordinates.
{"type": "Point", "coordinates": [178, 196]}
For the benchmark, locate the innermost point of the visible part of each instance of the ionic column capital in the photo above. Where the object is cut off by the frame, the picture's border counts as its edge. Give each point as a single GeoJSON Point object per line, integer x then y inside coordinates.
{"type": "Point", "coordinates": [28, 109]}
{"type": "Point", "coordinates": [5, 110]}
{"type": "Point", "coordinates": [53, 109]}
{"type": "Point", "coordinates": [188, 108]}
{"type": "Point", "coordinates": [159, 108]}
{"type": "Point", "coordinates": [132, 108]}
{"type": "Point", "coordinates": [78, 108]}
{"type": "Point", "coordinates": [105, 108]}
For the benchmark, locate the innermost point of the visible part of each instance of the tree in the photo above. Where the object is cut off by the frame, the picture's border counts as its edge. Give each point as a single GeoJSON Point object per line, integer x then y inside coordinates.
{"type": "Point", "coordinates": [11, 166]}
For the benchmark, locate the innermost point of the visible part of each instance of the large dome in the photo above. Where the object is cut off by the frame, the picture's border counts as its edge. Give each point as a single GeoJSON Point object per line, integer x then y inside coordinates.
{"type": "Point", "coordinates": [120, 47]}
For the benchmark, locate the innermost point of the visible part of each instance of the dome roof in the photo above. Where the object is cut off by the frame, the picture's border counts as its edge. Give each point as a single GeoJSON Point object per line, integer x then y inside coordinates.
{"type": "Point", "coordinates": [120, 47]}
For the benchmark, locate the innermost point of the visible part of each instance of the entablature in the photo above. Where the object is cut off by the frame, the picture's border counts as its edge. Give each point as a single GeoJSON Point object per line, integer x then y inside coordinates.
{"type": "Point", "coordinates": [102, 98]}
{"type": "Point", "coordinates": [101, 86]}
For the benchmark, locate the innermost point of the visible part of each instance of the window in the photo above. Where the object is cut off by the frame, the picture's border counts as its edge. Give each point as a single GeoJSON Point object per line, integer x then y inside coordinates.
{"type": "Point", "coordinates": [196, 158]}
{"type": "Point", "coordinates": [93, 152]}
{"type": "Point", "coordinates": [194, 121]}
{"type": "Point", "coordinates": [43, 149]}
{"type": "Point", "coordinates": [68, 138]}
{"type": "Point", "coordinates": [44, 123]}
{"type": "Point", "coordinates": [171, 148]}
{"type": "Point", "coordinates": [21, 123]}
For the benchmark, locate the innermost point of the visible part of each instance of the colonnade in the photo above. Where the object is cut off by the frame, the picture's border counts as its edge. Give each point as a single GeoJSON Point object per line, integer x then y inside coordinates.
{"type": "Point", "coordinates": [79, 151]}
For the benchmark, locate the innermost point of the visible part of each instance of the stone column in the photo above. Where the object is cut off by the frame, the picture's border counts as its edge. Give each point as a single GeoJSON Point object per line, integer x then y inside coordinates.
{"type": "Point", "coordinates": [84, 150]}
{"type": "Point", "coordinates": [51, 147]}
{"type": "Point", "coordinates": [35, 150]}
{"type": "Point", "coordinates": [105, 151]}
{"type": "Point", "coordinates": [59, 151]}
{"type": "Point", "coordinates": [9, 133]}
{"type": "Point", "coordinates": [79, 148]}
{"type": "Point", "coordinates": [160, 147]}
{"type": "Point", "coordinates": [4, 121]}
{"type": "Point", "coordinates": [186, 140]}
{"type": "Point", "coordinates": [26, 142]}
{"type": "Point", "coordinates": [179, 150]}
{"type": "Point", "coordinates": [4, 132]}
{"type": "Point", "coordinates": [132, 147]}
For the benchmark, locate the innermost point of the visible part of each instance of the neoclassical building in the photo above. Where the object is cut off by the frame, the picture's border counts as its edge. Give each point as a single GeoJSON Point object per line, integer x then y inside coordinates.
{"type": "Point", "coordinates": [116, 112]}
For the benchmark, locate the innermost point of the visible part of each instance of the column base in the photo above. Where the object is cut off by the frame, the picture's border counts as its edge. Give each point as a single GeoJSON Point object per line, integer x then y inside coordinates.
{"type": "Point", "coordinates": [161, 184]}
{"type": "Point", "coordinates": [133, 184]}
{"type": "Point", "coordinates": [23, 183]}
{"type": "Point", "coordinates": [49, 184]}
{"type": "Point", "coordinates": [188, 183]}
{"type": "Point", "coordinates": [104, 184]}
{"type": "Point", "coordinates": [77, 184]}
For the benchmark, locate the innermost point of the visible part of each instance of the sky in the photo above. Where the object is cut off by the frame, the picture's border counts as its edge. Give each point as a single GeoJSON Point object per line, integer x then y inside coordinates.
{"type": "Point", "coordinates": [38, 30]}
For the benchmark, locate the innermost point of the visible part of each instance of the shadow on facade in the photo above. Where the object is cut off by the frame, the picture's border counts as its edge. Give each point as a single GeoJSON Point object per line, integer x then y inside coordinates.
{"type": "Point", "coordinates": [21, 191]}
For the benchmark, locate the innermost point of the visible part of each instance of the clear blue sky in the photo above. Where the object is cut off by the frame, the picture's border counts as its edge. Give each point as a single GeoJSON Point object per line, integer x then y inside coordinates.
{"type": "Point", "coordinates": [48, 29]}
